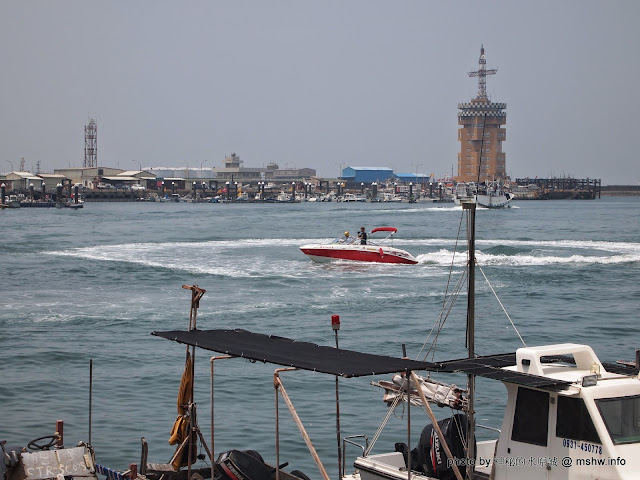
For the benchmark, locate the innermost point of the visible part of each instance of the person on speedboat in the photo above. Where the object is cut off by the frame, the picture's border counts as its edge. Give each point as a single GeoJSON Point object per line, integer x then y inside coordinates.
{"type": "Point", "coordinates": [346, 239]}
{"type": "Point", "coordinates": [362, 235]}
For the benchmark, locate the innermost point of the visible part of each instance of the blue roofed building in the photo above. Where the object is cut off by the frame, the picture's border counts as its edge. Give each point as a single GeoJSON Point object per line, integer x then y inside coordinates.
{"type": "Point", "coordinates": [366, 174]}
{"type": "Point", "coordinates": [412, 177]}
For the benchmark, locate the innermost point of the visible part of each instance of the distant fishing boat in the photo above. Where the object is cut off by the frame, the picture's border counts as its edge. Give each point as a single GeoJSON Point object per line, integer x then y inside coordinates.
{"type": "Point", "coordinates": [492, 195]}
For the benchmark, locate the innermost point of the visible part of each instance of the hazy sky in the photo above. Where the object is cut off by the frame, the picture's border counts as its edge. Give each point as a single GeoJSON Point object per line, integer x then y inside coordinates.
{"type": "Point", "coordinates": [319, 83]}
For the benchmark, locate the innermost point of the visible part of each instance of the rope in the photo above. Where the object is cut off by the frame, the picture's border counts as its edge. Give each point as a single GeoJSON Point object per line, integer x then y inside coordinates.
{"type": "Point", "coordinates": [390, 410]}
{"type": "Point", "coordinates": [501, 305]}
{"type": "Point", "coordinates": [439, 323]}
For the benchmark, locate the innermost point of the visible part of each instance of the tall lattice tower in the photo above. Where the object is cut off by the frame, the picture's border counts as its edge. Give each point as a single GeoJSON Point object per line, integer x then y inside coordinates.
{"type": "Point", "coordinates": [477, 118]}
{"type": "Point", "coordinates": [91, 144]}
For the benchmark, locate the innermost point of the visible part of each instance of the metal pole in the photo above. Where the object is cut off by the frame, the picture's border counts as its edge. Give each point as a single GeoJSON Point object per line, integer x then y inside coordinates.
{"type": "Point", "coordinates": [222, 357]}
{"type": "Point", "coordinates": [278, 385]}
{"type": "Point", "coordinates": [443, 442]}
{"type": "Point", "coordinates": [275, 385]}
{"type": "Point", "coordinates": [408, 380]}
{"type": "Point", "coordinates": [335, 324]}
{"type": "Point", "coordinates": [471, 379]}
{"type": "Point", "coordinates": [60, 432]}
{"type": "Point", "coordinates": [90, 394]}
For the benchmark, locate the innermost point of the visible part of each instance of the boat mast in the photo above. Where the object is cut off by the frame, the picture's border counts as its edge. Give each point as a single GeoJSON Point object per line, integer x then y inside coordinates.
{"type": "Point", "coordinates": [471, 379]}
{"type": "Point", "coordinates": [471, 301]}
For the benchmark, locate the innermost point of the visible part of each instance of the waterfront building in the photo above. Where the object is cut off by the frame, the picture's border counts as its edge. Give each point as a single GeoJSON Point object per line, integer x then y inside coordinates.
{"type": "Point", "coordinates": [131, 177]}
{"type": "Point", "coordinates": [21, 180]}
{"type": "Point", "coordinates": [290, 173]}
{"type": "Point", "coordinates": [233, 170]}
{"type": "Point", "coordinates": [415, 178]}
{"type": "Point", "coordinates": [50, 180]}
{"type": "Point", "coordinates": [89, 177]}
{"type": "Point", "coordinates": [367, 175]}
{"type": "Point", "coordinates": [482, 133]}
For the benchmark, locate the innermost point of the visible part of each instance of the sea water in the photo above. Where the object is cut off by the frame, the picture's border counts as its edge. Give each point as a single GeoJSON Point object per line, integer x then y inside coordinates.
{"type": "Point", "coordinates": [92, 284]}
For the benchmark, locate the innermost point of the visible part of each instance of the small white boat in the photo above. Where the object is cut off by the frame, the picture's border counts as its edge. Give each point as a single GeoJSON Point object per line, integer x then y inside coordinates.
{"type": "Point", "coordinates": [493, 196]}
{"type": "Point", "coordinates": [351, 249]}
{"type": "Point", "coordinates": [487, 196]}
{"type": "Point", "coordinates": [14, 201]}
{"type": "Point", "coordinates": [391, 197]}
{"type": "Point", "coordinates": [352, 197]}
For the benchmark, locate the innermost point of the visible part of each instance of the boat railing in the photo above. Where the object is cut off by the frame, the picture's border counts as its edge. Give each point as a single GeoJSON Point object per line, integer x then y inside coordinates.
{"type": "Point", "coordinates": [493, 429]}
{"type": "Point", "coordinates": [348, 439]}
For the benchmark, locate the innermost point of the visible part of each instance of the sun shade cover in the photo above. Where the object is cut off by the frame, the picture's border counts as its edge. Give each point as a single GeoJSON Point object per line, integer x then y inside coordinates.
{"type": "Point", "coordinates": [292, 353]}
{"type": "Point", "coordinates": [492, 366]}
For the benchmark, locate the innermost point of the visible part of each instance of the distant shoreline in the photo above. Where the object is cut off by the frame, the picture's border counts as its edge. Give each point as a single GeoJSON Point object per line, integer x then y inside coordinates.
{"type": "Point", "coordinates": [620, 190]}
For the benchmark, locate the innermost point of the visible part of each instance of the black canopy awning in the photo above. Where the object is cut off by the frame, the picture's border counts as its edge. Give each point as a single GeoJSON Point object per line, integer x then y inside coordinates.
{"type": "Point", "coordinates": [292, 353]}
{"type": "Point", "coordinates": [348, 363]}
{"type": "Point", "coordinates": [491, 366]}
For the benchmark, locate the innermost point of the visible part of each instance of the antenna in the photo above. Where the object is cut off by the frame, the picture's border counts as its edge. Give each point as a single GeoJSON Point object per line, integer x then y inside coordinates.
{"type": "Point", "coordinates": [91, 144]}
{"type": "Point", "coordinates": [482, 73]}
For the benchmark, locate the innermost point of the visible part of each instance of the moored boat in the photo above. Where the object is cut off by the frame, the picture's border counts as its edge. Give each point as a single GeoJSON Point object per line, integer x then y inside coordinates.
{"type": "Point", "coordinates": [567, 415]}
{"type": "Point", "coordinates": [351, 249]}
{"type": "Point", "coordinates": [46, 458]}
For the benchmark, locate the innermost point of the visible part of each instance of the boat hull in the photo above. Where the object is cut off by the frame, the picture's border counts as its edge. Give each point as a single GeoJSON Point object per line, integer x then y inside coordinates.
{"type": "Point", "coordinates": [357, 253]}
{"type": "Point", "coordinates": [494, 201]}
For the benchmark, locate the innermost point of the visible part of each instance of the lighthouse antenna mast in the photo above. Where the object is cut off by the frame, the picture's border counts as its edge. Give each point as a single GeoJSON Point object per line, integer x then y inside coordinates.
{"type": "Point", "coordinates": [482, 73]}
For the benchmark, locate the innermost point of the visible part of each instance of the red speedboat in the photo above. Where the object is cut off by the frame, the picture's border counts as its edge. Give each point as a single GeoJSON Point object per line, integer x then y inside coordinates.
{"type": "Point", "coordinates": [349, 248]}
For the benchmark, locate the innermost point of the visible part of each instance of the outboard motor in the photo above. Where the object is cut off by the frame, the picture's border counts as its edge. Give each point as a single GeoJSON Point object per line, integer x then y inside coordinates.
{"type": "Point", "coordinates": [247, 465]}
{"type": "Point", "coordinates": [241, 465]}
{"type": "Point", "coordinates": [430, 458]}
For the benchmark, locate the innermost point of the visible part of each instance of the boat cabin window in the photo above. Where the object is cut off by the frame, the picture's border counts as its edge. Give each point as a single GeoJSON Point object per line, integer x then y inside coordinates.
{"type": "Point", "coordinates": [622, 418]}
{"type": "Point", "coordinates": [566, 361]}
{"type": "Point", "coordinates": [531, 418]}
{"type": "Point", "coordinates": [574, 421]}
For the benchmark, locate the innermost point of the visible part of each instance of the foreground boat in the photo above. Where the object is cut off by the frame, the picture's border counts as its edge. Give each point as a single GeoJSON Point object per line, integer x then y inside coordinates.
{"type": "Point", "coordinates": [350, 249]}
{"type": "Point", "coordinates": [46, 458]}
{"type": "Point", "coordinates": [568, 415]}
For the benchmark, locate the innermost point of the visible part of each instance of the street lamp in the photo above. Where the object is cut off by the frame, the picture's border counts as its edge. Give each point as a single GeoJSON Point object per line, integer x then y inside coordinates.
{"type": "Point", "coordinates": [201, 167]}
{"type": "Point", "coordinates": [139, 164]}
{"type": "Point", "coordinates": [11, 164]}
{"type": "Point", "coordinates": [417, 165]}
{"type": "Point", "coordinates": [340, 170]}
